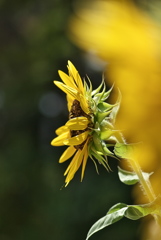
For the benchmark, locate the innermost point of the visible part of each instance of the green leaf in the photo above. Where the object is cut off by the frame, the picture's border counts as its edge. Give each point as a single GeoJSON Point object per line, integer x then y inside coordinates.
{"type": "Point", "coordinates": [131, 178]}
{"type": "Point", "coordinates": [123, 150]}
{"type": "Point", "coordinates": [106, 221]}
{"type": "Point", "coordinates": [120, 210]}
{"type": "Point", "coordinates": [116, 207]}
{"type": "Point", "coordinates": [134, 213]}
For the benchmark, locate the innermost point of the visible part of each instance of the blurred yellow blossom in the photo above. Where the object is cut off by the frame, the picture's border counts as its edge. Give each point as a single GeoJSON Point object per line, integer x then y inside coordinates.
{"type": "Point", "coordinates": [129, 40]}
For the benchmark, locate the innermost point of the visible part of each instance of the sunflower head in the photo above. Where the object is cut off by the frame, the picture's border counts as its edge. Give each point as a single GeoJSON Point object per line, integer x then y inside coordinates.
{"type": "Point", "coordinates": [90, 128]}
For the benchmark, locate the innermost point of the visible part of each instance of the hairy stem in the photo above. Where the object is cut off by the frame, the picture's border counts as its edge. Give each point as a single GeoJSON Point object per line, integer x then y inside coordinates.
{"type": "Point", "coordinates": [144, 183]}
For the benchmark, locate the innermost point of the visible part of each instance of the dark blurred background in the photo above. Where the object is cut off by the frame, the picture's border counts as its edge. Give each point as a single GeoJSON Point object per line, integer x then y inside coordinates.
{"type": "Point", "coordinates": [34, 44]}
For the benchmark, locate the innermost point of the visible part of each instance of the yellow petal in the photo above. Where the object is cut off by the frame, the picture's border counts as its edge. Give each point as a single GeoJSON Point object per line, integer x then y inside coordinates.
{"type": "Point", "coordinates": [61, 130]}
{"type": "Point", "coordinates": [74, 166]}
{"type": "Point", "coordinates": [70, 102]}
{"type": "Point", "coordinates": [84, 104]}
{"type": "Point", "coordinates": [78, 123]}
{"type": "Point", "coordinates": [73, 71]}
{"type": "Point", "coordinates": [67, 154]}
{"type": "Point", "coordinates": [59, 141]}
{"type": "Point", "coordinates": [68, 90]}
{"type": "Point", "coordinates": [66, 79]}
{"type": "Point", "coordinates": [84, 160]}
{"type": "Point", "coordinates": [73, 162]}
{"type": "Point", "coordinates": [77, 139]}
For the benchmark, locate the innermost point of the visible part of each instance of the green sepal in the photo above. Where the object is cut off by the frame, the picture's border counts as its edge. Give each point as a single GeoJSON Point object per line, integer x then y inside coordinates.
{"type": "Point", "coordinates": [130, 178]}
{"type": "Point", "coordinates": [97, 127]}
{"type": "Point", "coordinates": [100, 157]}
{"type": "Point", "coordinates": [105, 135]}
{"type": "Point", "coordinates": [106, 94]}
{"type": "Point", "coordinates": [97, 98]}
{"type": "Point", "coordinates": [103, 106]}
{"type": "Point", "coordinates": [106, 150]}
{"type": "Point", "coordinates": [102, 115]}
{"type": "Point", "coordinates": [88, 88]}
{"type": "Point", "coordinates": [105, 125]}
{"type": "Point", "coordinates": [100, 145]}
{"type": "Point", "coordinates": [97, 142]}
{"type": "Point", "coordinates": [115, 109]}
{"type": "Point", "coordinates": [94, 92]}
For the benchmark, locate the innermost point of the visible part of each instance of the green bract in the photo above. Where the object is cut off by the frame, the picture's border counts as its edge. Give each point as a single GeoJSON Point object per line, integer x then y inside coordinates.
{"type": "Point", "coordinates": [103, 117]}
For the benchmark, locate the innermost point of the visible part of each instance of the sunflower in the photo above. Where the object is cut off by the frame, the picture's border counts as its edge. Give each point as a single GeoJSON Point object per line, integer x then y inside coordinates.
{"type": "Point", "coordinates": [90, 128]}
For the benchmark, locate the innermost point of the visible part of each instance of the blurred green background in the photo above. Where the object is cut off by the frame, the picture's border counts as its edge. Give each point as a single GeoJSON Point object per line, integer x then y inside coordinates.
{"type": "Point", "coordinates": [33, 46]}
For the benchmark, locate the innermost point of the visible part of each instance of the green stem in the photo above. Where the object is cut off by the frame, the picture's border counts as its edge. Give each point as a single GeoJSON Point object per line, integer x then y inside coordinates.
{"type": "Point", "coordinates": [144, 183]}
{"type": "Point", "coordinates": [146, 186]}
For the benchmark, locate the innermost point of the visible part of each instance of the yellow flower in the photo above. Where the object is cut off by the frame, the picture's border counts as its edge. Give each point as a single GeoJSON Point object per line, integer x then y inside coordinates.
{"type": "Point", "coordinates": [90, 123]}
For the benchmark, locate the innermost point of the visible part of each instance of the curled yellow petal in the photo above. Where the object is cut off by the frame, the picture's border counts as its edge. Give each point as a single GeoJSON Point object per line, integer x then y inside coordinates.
{"type": "Point", "coordinates": [77, 139]}
{"type": "Point", "coordinates": [59, 141]}
{"type": "Point", "coordinates": [73, 72]}
{"type": "Point", "coordinates": [66, 79]}
{"type": "Point", "coordinates": [80, 156]}
{"type": "Point", "coordinates": [78, 123]}
{"type": "Point", "coordinates": [73, 164]}
{"type": "Point", "coordinates": [67, 154]}
{"type": "Point", "coordinates": [68, 90]}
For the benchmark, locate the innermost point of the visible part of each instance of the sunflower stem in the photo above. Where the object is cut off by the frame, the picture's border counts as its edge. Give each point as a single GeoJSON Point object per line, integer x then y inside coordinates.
{"type": "Point", "coordinates": [144, 183]}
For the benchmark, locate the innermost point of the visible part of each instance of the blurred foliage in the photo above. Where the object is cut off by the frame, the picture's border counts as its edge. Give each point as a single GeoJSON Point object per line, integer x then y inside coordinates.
{"type": "Point", "coordinates": [33, 46]}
